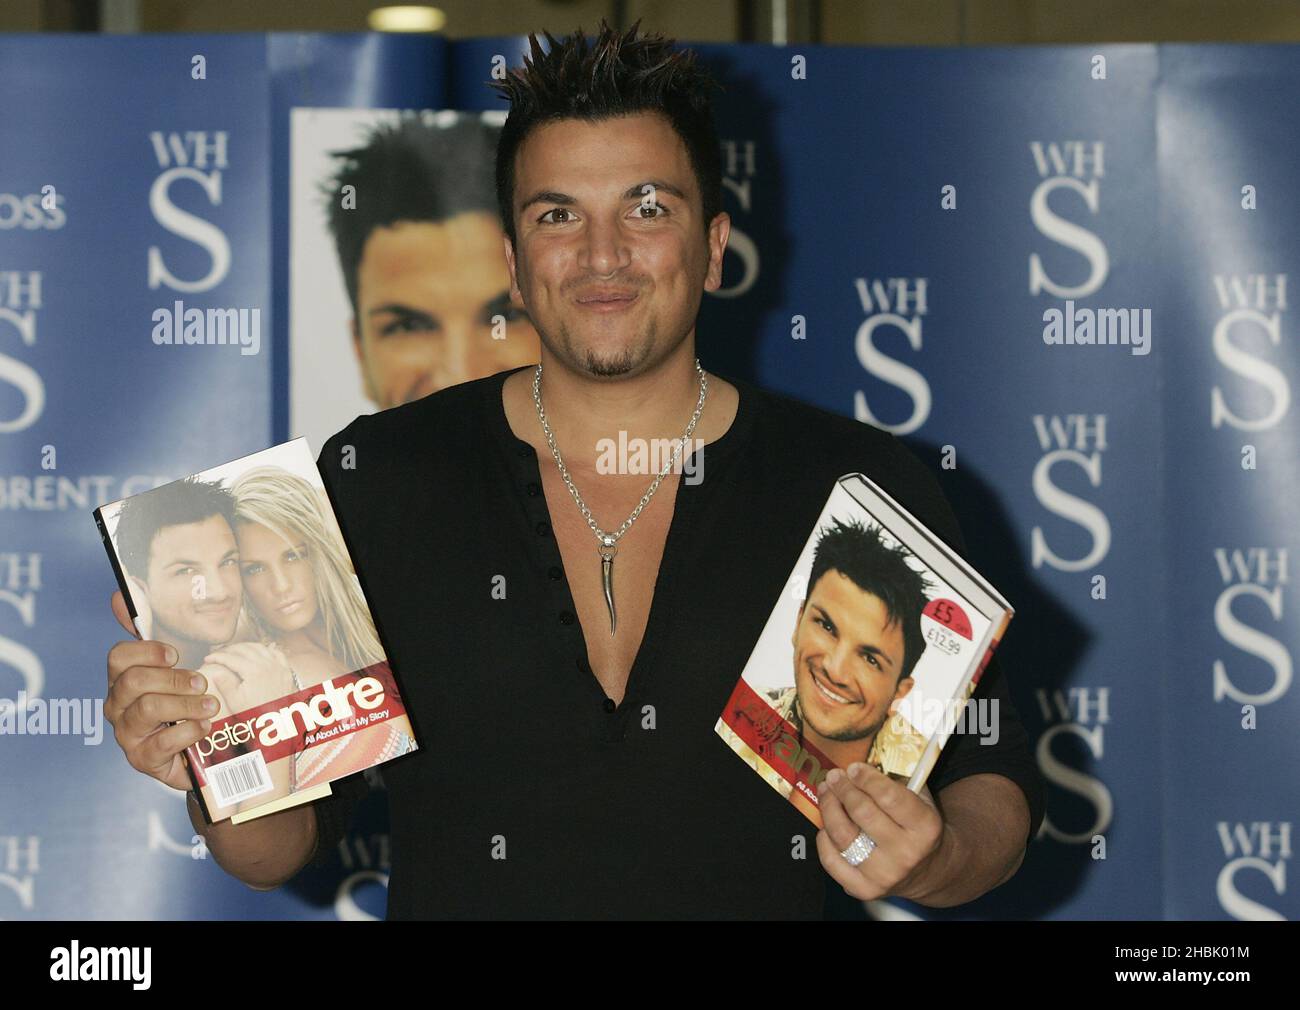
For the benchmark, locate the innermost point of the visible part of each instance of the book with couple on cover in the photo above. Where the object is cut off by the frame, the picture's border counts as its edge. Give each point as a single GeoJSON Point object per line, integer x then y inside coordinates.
{"type": "Point", "coordinates": [243, 569]}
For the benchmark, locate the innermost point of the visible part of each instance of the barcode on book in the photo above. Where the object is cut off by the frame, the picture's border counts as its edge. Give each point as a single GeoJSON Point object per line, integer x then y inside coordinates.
{"type": "Point", "coordinates": [239, 778]}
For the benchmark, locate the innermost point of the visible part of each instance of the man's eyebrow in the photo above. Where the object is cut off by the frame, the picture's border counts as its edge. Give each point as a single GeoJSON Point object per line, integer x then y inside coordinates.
{"type": "Point", "coordinates": [631, 193]}
{"type": "Point", "coordinates": [500, 304]}
{"type": "Point", "coordinates": [638, 190]}
{"type": "Point", "coordinates": [822, 610]}
{"type": "Point", "coordinates": [399, 309]}
{"type": "Point", "coordinates": [547, 196]}
{"type": "Point", "coordinates": [185, 561]}
{"type": "Point", "coordinates": [874, 649]}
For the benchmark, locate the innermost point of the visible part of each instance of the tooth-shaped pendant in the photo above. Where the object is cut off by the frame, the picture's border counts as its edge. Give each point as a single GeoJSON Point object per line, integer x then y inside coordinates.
{"type": "Point", "coordinates": [607, 576]}
{"type": "Point", "coordinates": [607, 549]}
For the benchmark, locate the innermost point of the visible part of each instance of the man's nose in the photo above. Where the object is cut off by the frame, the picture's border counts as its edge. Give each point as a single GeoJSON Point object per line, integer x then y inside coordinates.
{"type": "Point", "coordinates": [606, 248]}
{"type": "Point", "coordinates": [470, 353]}
{"type": "Point", "coordinates": [215, 589]}
{"type": "Point", "coordinates": [837, 660]}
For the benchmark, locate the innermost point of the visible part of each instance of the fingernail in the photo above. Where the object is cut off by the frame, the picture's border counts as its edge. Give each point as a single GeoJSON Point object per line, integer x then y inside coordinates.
{"type": "Point", "coordinates": [171, 654]}
{"type": "Point", "coordinates": [197, 682]}
{"type": "Point", "coordinates": [821, 787]}
{"type": "Point", "coordinates": [834, 776]}
{"type": "Point", "coordinates": [857, 770]}
{"type": "Point", "coordinates": [209, 704]}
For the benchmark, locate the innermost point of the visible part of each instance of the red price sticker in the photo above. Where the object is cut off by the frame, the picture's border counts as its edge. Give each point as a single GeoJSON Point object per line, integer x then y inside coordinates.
{"type": "Point", "coordinates": [950, 615]}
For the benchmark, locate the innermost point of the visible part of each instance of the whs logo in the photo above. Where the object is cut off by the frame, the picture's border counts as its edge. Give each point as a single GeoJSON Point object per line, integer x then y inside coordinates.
{"type": "Point", "coordinates": [1261, 393]}
{"type": "Point", "coordinates": [1255, 573]}
{"type": "Point", "coordinates": [897, 303]}
{"type": "Point", "coordinates": [1075, 440]}
{"type": "Point", "coordinates": [1074, 167]}
{"type": "Point", "coordinates": [1081, 713]}
{"type": "Point", "coordinates": [1262, 846]}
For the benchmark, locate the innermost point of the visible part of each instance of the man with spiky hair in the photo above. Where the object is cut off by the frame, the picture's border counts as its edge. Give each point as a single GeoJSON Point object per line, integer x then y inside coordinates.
{"type": "Point", "coordinates": [419, 246]}
{"type": "Point", "coordinates": [856, 640]}
{"type": "Point", "coordinates": [567, 637]}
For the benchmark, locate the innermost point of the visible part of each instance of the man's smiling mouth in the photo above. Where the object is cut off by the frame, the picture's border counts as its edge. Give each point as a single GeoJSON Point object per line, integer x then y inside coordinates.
{"type": "Point", "coordinates": [607, 304]}
{"type": "Point", "coordinates": [827, 693]}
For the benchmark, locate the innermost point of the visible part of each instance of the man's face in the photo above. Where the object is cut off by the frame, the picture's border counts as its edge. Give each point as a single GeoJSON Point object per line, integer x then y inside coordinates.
{"type": "Point", "coordinates": [193, 583]}
{"type": "Point", "coordinates": [611, 271]}
{"type": "Point", "coordinates": [847, 659]}
{"type": "Point", "coordinates": [277, 577]}
{"type": "Point", "coordinates": [426, 297]}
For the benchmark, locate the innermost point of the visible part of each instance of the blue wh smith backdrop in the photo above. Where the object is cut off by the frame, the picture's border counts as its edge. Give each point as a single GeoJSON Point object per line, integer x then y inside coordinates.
{"type": "Point", "coordinates": [906, 225]}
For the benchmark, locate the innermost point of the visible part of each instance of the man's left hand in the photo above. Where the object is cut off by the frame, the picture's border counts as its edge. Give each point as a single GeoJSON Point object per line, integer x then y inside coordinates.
{"type": "Point", "coordinates": [907, 828]}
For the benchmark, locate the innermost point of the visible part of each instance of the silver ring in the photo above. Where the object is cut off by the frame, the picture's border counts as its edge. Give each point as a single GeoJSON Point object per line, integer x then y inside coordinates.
{"type": "Point", "coordinates": [862, 846]}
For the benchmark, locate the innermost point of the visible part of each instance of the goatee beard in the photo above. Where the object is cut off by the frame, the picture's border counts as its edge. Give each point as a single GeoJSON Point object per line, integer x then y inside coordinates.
{"type": "Point", "coordinates": [620, 365]}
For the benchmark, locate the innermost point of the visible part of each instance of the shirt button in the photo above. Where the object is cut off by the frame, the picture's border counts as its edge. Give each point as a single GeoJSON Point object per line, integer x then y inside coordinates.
{"type": "Point", "coordinates": [525, 451]}
{"type": "Point", "coordinates": [534, 489]}
{"type": "Point", "coordinates": [554, 574]}
{"type": "Point", "coordinates": [543, 529]}
{"type": "Point", "coordinates": [610, 705]}
{"type": "Point", "coordinates": [566, 617]}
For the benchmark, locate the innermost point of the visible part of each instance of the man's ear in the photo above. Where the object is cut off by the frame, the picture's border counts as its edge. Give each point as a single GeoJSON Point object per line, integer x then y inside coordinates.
{"type": "Point", "coordinates": [367, 387]}
{"type": "Point", "coordinates": [516, 296]}
{"type": "Point", "coordinates": [901, 692]}
{"type": "Point", "coordinates": [139, 589]}
{"type": "Point", "coordinates": [719, 232]}
{"type": "Point", "coordinates": [143, 606]}
{"type": "Point", "coordinates": [794, 635]}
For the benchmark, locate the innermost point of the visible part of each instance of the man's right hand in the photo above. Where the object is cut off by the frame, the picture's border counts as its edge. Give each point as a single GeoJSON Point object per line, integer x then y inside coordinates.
{"type": "Point", "coordinates": [145, 694]}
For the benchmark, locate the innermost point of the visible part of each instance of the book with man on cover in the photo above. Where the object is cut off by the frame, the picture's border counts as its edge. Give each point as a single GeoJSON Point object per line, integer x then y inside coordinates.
{"type": "Point", "coordinates": [243, 569]}
{"type": "Point", "coordinates": [870, 655]}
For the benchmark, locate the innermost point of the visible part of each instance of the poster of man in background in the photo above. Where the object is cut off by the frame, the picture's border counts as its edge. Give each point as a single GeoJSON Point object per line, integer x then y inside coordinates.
{"type": "Point", "coordinates": [398, 279]}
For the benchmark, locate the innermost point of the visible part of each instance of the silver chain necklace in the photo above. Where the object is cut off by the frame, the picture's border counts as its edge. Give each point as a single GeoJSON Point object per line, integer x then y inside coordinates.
{"type": "Point", "coordinates": [607, 543]}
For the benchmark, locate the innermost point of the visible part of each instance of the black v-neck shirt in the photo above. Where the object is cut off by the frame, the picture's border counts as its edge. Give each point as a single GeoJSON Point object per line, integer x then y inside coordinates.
{"type": "Point", "coordinates": [533, 795]}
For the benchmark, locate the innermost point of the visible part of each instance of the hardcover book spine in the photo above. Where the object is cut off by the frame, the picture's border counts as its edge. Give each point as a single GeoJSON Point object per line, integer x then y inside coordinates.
{"type": "Point", "coordinates": [998, 632]}
{"type": "Point", "coordinates": [117, 567]}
